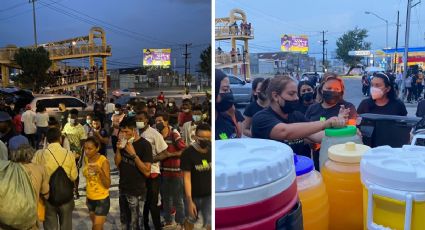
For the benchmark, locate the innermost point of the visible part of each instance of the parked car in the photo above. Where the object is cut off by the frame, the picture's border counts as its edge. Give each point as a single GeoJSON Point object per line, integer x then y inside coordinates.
{"type": "Point", "coordinates": [124, 100]}
{"type": "Point", "coordinates": [125, 92]}
{"type": "Point", "coordinates": [313, 77]}
{"type": "Point", "coordinates": [51, 103]}
{"type": "Point", "coordinates": [241, 89]}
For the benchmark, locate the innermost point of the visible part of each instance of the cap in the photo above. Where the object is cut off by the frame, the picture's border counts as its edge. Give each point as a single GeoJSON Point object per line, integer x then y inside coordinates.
{"type": "Point", "coordinates": [349, 152]}
{"type": "Point", "coordinates": [4, 116]}
{"type": "Point", "coordinates": [303, 165]}
{"type": "Point", "coordinates": [17, 141]}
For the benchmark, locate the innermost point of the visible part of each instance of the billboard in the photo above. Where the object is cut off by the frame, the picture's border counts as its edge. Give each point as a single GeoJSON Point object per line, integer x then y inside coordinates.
{"type": "Point", "coordinates": [294, 43]}
{"type": "Point", "coordinates": [156, 57]}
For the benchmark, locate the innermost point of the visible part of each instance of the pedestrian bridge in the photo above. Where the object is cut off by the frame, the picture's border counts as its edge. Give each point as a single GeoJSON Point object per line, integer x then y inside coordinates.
{"type": "Point", "coordinates": [91, 46]}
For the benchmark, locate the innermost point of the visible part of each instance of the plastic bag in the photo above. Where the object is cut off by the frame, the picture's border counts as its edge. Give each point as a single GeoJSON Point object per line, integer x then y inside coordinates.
{"type": "Point", "coordinates": [18, 208]}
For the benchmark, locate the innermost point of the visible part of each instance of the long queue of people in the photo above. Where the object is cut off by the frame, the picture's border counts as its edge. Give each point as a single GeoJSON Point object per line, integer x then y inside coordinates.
{"type": "Point", "coordinates": [161, 151]}
{"type": "Point", "coordinates": [297, 113]}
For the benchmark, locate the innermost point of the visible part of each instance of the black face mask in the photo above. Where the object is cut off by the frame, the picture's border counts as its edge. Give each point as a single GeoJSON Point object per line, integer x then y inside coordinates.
{"type": "Point", "coordinates": [226, 102]}
{"type": "Point", "coordinates": [307, 97]}
{"type": "Point", "coordinates": [289, 106]}
{"type": "Point", "coordinates": [204, 143]}
{"type": "Point", "coordinates": [331, 97]}
{"type": "Point", "coordinates": [262, 97]}
{"type": "Point", "coordinates": [160, 126]}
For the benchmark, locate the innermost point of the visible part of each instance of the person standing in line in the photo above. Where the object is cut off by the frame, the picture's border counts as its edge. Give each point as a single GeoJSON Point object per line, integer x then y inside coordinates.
{"type": "Point", "coordinates": [109, 111]}
{"type": "Point", "coordinates": [41, 121]}
{"type": "Point", "coordinates": [159, 150]}
{"type": "Point", "coordinates": [189, 127]}
{"type": "Point", "coordinates": [64, 114]}
{"type": "Point", "coordinates": [185, 115]}
{"type": "Point", "coordinates": [196, 167]}
{"type": "Point", "coordinates": [97, 172]}
{"type": "Point", "coordinates": [258, 103]}
{"type": "Point", "coordinates": [116, 120]}
{"type": "Point", "coordinates": [28, 120]}
{"type": "Point", "coordinates": [74, 131]}
{"type": "Point", "coordinates": [172, 177]}
{"type": "Point", "coordinates": [101, 134]}
{"type": "Point", "coordinates": [133, 159]}
{"type": "Point", "coordinates": [54, 156]}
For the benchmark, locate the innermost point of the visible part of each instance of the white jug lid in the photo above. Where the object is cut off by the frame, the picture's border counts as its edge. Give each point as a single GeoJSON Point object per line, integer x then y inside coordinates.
{"type": "Point", "coordinates": [395, 168]}
{"type": "Point", "coordinates": [242, 164]}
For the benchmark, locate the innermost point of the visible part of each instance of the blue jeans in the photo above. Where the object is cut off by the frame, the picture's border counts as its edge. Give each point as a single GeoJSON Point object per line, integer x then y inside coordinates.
{"type": "Point", "coordinates": [131, 211]}
{"type": "Point", "coordinates": [203, 206]}
{"type": "Point", "coordinates": [172, 196]}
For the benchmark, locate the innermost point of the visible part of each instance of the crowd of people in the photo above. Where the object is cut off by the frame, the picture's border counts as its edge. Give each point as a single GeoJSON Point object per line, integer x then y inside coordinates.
{"type": "Point", "coordinates": [244, 28]}
{"type": "Point", "coordinates": [297, 113]}
{"type": "Point", "coordinates": [162, 152]}
{"type": "Point", "coordinates": [74, 75]}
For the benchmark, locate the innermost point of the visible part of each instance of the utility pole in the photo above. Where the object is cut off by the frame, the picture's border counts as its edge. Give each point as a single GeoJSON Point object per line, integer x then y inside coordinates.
{"type": "Point", "coordinates": [186, 56]}
{"type": "Point", "coordinates": [396, 42]}
{"type": "Point", "coordinates": [323, 49]}
{"type": "Point", "coordinates": [35, 27]}
{"type": "Point", "coordinates": [406, 40]}
{"type": "Point", "coordinates": [244, 60]}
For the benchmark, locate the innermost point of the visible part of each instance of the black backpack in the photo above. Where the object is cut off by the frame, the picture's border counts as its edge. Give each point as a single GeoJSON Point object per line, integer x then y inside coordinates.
{"type": "Point", "coordinates": [61, 187]}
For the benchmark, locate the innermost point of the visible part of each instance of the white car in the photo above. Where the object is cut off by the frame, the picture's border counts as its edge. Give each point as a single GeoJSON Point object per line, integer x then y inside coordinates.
{"type": "Point", "coordinates": [125, 92]}
{"type": "Point", "coordinates": [51, 103]}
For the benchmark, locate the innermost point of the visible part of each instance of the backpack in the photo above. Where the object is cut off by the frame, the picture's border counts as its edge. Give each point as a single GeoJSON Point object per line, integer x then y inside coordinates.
{"type": "Point", "coordinates": [18, 209]}
{"type": "Point", "coordinates": [61, 187]}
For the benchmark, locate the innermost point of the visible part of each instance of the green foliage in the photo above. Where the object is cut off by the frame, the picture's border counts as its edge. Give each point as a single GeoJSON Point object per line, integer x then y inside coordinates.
{"type": "Point", "coordinates": [34, 64]}
{"type": "Point", "coordinates": [205, 64]}
{"type": "Point", "coordinates": [352, 40]}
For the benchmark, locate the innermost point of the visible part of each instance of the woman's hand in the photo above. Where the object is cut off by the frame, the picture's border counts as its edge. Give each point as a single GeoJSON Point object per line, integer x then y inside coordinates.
{"type": "Point", "coordinates": [335, 122]}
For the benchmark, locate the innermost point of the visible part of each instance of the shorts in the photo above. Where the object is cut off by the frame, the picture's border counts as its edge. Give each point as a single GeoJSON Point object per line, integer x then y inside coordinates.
{"type": "Point", "coordinates": [99, 207]}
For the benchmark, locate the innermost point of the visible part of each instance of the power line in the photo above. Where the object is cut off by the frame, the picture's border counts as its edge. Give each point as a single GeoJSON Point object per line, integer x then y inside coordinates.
{"type": "Point", "coordinates": [13, 6]}
{"type": "Point", "coordinates": [120, 28]}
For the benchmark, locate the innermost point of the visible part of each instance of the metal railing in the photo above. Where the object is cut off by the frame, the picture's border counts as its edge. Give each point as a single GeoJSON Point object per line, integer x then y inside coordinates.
{"type": "Point", "coordinates": [7, 54]}
{"type": "Point", "coordinates": [222, 58]}
{"type": "Point", "coordinates": [222, 31]}
{"type": "Point", "coordinates": [81, 77]}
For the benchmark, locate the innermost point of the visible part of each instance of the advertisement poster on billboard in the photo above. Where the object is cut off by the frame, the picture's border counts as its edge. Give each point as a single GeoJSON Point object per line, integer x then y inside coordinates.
{"type": "Point", "coordinates": [157, 57]}
{"type": "Point", "coordinates": [294, 43]}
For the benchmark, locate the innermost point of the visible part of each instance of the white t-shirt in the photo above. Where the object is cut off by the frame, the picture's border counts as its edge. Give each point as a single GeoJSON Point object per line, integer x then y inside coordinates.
{"type": "Point", "coordinates": [158, 145]}
{"type": "Point", "coordinates": [42, 119]}
{"type": "Point", "coordinates": [28, 118]}
{"type": "Point", "coordinates": [109, 108]}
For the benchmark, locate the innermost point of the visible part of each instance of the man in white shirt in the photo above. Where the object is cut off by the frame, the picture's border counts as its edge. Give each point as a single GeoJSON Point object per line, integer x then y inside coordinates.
{"type": "Point", "coordinates": [159, 152]}
{"type": "Point", "coordinates": [28, 120]}
{"type": "Point", "coordinates": [109, 110]}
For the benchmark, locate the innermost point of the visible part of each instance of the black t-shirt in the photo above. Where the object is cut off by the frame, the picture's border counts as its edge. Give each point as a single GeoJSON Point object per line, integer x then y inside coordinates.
{"type": "Point", "coordinates": [393, 107]}
{"type": "Point", "coordinates": [316, 111]}
{"type": "Point", "coordinates": [264, 121]}
{"type": "Point", "coordinates": [199, 165]}
{"type": "Point", "coordinates": [301, 107]}
{"type": "Point", "coordinates": [132, 181]}
{"type": "Point", "coordinates": [225, 127]}
{"type": "Point", "coordinates": [252, 109]}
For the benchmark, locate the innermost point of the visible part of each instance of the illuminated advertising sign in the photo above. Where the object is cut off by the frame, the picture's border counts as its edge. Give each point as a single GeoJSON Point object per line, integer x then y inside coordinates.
{"type": "Point", "coordinates": [156, 57]}
{"type": "Point", "coordinates": [294, 43]}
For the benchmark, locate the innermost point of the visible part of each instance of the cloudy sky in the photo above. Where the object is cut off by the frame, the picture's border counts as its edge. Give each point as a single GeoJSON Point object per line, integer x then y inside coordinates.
{"type": "Point", "coordinates": [130, 25]}
{"type": "Point", "coordinates": [272, 18]}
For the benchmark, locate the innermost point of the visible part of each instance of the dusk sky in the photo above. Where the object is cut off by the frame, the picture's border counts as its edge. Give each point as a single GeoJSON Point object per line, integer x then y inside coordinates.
{"type": "Point", "coordinates": [273, 18]}
{"type": "Point", "coordinates": [130, 26]}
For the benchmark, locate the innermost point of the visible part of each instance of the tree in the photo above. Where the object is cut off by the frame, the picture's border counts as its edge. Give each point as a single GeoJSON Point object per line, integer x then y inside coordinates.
{"type": "Point", "coordinates": [205, 64]}
{"type": "Point", "coordinates": [34, 64]}
{"type": "Point", "coordinates": [349, 41]}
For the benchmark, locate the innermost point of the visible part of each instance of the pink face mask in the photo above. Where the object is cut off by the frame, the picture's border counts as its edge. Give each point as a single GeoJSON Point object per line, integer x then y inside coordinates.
{"type": "Point", "coordinates": [376, 93]}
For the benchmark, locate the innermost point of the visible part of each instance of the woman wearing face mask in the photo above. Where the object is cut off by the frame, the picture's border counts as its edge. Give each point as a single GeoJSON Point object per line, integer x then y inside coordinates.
{"type": "Point", "coordinates": [331, 102]}
{"type": "Point", "coordinates": [306, 96]}
{"type": "Point", "coordinates": [281, 122]}
{"type": "Point", "coordinates": [227, 119]}
{"type": "Point", "coordinates": [256, 85]}
{"type": "Point", "coordinates": [383, 98]}
{"type": "Point", "coordinates": [261, 102]}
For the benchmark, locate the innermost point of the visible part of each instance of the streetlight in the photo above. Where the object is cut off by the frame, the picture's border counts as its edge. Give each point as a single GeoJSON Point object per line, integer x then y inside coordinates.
{"type": "Point", "coordinates": [386, 22]}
